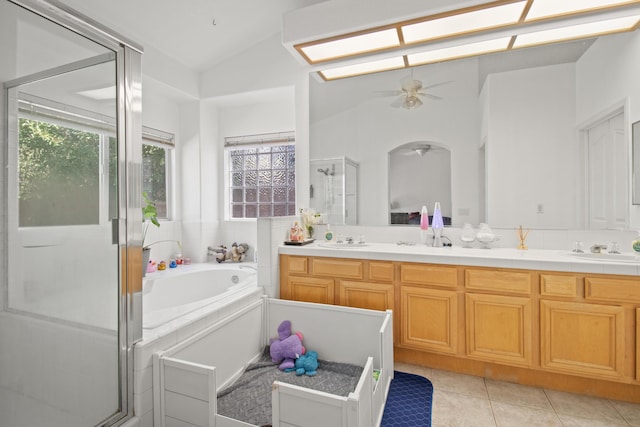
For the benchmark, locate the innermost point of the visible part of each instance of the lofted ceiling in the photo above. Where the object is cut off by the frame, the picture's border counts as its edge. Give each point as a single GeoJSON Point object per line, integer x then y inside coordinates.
{"type": "Point", "coordinates": [185, 30]}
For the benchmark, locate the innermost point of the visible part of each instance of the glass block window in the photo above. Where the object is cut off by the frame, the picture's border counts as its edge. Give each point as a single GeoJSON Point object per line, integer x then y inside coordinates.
{"type": "Point", "coordinates": [262, 180]}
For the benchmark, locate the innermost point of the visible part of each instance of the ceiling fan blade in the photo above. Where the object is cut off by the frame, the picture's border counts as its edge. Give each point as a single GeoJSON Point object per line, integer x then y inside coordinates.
{"type": "Point", "coordinates": [383, 93]}
{"type": "Point", "coordinates": [437, 84]}
{"type": "Point", "coordinates": [428, 95]}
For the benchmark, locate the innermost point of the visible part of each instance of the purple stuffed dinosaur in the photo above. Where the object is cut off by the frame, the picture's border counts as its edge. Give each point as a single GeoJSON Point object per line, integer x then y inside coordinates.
{"type": "Point", "coordinates": [287, 347]}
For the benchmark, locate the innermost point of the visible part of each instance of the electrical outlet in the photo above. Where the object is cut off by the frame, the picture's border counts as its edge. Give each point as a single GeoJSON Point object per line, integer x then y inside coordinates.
{"type": "Point", "coordinates": [540, 208]}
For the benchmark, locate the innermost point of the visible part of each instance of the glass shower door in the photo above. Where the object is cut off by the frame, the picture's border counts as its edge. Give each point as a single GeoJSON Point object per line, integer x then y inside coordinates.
{"type": "Point", "coordinates": [60, 330]}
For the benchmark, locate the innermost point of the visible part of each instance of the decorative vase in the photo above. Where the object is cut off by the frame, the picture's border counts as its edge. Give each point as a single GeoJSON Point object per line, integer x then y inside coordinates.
{"type": "Point", "coordinates": [636, 245]}
{"type": "Point", "coordinates": [467, 236]}
{"type": "Point", "coordinates": [310, 231]}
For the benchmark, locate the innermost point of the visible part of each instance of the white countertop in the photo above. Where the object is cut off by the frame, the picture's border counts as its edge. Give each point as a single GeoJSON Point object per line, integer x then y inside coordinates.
{"type": "Point", "coordinates": [531, 259]}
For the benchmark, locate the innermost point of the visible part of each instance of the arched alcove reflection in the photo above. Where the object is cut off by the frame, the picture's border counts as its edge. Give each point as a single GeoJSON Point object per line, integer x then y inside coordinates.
{"type": "Point", "coordinates": [419, 175]}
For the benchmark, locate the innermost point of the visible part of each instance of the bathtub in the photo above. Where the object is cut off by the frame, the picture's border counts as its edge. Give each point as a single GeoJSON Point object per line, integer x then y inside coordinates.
{"type": "Point", "coordinates": [170, 294]}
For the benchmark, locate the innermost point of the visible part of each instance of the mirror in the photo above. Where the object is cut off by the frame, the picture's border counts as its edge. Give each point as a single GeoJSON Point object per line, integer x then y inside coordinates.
{"type": "Point", "coordinates": [514, 124]}
{"type": "Point", "coordinates": [635, 171]}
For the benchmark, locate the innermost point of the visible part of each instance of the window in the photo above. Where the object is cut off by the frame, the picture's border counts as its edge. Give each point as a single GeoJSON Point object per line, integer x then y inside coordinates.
{"type": "Point", "coordinates": [157, 149]}
{"type": "Point", "coordinates": [53, 160]}
{"type": "Point", "coordinates": [261, 175]}
{"type": "Point", "coordinates": [67, 165]}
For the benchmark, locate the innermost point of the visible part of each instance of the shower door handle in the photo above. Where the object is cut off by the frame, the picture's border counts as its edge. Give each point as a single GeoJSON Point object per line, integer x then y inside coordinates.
{"type": "Point", "coordinates": [115, 231]}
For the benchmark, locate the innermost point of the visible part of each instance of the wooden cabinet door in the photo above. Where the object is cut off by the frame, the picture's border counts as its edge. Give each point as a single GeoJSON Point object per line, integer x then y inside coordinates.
{"type": "Point", "coordinates": [579, 338]}
{"type": "Point", "coordinates": [309, 289]}
{"type": "Point", "coordinates": [429, 319]}
{"type": "Point", "coordinates": [499, 329]}
{"type": "Point", "coordinates": [637, 344]}
{"type": "Point", "coordinates": [374, 296]}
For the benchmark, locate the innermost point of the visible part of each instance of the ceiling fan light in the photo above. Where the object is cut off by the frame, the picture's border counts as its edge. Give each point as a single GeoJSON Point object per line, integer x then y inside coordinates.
{"type": "Point", "coordinates": [411, 102]}
{"type": "Point", "coordinates": [577, 31]}
{"type": "Point", "coordinates": [461, 23]}
{"type": "Point", "coordinates": [487, 46]}
{"type": "Point", "coordinates": [551, 8]}
{"type": "Point", "coordinates": [363, 68]}
{"type": "Point", "coordinates": [354, 45]}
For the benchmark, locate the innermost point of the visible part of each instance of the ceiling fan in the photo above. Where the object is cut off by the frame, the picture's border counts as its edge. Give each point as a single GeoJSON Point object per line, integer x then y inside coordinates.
{"type": "Point", "coordinates": [420, 149]}
{"type": "Point", "coordinates": [411, 90]}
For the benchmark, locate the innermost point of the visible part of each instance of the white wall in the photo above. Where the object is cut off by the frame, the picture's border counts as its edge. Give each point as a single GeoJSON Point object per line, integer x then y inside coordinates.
{"type": "Point", "coordinates": [607, 75]}
{"type": "Point", "coordinates": [258, 118]}
{"type": "Point", "coordinates": [530, 122]}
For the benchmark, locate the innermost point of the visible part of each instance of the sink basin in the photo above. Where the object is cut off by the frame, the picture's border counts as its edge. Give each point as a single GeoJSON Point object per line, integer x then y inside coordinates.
{"type": "Point", "coordinates": [335, 245]}
{"type": "Point", "coordinates": [607, 257]}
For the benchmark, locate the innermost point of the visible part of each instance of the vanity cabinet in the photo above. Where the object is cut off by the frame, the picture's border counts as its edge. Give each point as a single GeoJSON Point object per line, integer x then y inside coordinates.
{"type": "Point", "coordinates": [375, 296]}
{"type": "Point", "coordinates": [499, 320]}
{"type": "Point", "coordinates": [498, 329]}
{"type": "Point", "coordinates": [428, 308]}
{"type": "Point", "coordinates": [353, 283]}
{"type": "Point", "coordinates": [570, 331]}
{"type": "Point", "coordinates": [429, 319]}
{"type": "Point", "coordinates": [309, 289]}
{"type": "Point", "coordinates": [583, 339]}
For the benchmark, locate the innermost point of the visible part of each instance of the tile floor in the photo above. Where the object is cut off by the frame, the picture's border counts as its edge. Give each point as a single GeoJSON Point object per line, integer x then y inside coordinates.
{"type": "Point", "coordinates": [464, 400]}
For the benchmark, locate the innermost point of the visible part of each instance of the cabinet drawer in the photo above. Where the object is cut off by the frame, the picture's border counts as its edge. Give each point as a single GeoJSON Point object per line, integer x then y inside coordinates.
{"type": "Point", "coordinates": [297, 264]}
{"type": "Point", "coordinates": [553, 285]}
{"type": "Point", "coordinates": [382, 271]}
{"type": "Point", "coordinates": [610, 289]}
{"type": "Point", "coordinates": [337, 268]}
{"type": "Point", "coordinates": [516, 282]}
{"type": "Point", "coordinates": [424, 274]}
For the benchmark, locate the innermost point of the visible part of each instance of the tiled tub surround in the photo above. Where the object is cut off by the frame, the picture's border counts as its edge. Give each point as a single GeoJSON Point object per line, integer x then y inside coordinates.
{"type": "Point", "coordinates": [170, 334]}
{"type": "Point", "coordinates": [538, 317]}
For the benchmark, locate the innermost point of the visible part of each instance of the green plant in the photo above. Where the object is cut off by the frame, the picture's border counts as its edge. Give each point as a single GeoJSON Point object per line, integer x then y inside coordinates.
{"type": "Point", "coordinates": [149, 215]}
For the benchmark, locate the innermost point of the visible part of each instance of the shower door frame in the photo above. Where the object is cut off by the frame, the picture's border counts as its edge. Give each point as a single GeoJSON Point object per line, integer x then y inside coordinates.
{"type": "Point", "coordinates": [128, 226]}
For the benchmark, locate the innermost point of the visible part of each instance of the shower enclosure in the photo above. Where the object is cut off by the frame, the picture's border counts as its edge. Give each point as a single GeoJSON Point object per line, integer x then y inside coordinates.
{"type": "Point", "coordinates": [71, 220]}
{"type": "Point", "coordinates": [334, 189]}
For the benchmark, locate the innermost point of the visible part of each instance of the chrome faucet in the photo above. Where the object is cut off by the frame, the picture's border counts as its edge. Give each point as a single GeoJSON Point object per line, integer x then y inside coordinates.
{"type": "Point", "coordinates": [596, 249]}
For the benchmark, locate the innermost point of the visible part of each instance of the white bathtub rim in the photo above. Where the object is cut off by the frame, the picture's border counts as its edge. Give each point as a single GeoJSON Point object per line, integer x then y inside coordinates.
{"type": "Point", "coordinates": [158, 318]}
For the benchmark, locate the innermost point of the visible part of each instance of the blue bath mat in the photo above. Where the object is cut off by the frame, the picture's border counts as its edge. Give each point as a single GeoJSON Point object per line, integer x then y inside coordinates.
{"type": "Point", "coordinates": [409, 401]}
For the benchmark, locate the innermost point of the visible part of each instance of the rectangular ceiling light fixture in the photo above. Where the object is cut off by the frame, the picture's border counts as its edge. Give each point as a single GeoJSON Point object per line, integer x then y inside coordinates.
{"type": "Point", "coordinates": [541, 9]}
{"type": "Point", "coordinates": [353, 45]}
{"type": "Point", "coordinates": [577, 31]}
{"type": "Point", "coordinates": [462, 51]}
{"type": "Point", "coordinates": [463, 22]}
{"type": "Point", "coordinates": [364, 68]}
{"type": "Point", "coordinates": [511, 17]}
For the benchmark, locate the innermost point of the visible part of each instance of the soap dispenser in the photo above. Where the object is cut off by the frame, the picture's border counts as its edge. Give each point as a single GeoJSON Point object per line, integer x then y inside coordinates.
{"type": "Point", "coordinates": [328, 235]}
